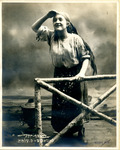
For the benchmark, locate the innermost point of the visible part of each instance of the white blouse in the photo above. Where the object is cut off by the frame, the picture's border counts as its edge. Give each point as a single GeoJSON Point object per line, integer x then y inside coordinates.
{"type": "Point", "coordinates": [68, 52]}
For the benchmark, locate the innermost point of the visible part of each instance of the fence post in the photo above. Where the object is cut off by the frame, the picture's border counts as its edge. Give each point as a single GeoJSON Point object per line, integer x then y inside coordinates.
{"type": "Point", "coordinates": [39, 82]}
{"type": "Point", "coordinates": [80, 116]}
{"type": "Point", "coordinates": [38, 113]}
{"type": "Point", "coordinates": [76, 102]}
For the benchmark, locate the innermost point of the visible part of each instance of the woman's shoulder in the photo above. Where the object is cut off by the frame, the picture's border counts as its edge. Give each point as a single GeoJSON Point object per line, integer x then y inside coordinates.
{"type": "Point", "coordinates": [77, 37]}
{"type": "Point", "coordinates": [44, 33]}
{"type": "Point", "coordinates": [44, 30]}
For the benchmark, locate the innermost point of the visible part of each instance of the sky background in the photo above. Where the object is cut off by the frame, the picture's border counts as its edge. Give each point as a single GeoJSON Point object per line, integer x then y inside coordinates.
{"type": "Point", "coordinates": [23, 58]}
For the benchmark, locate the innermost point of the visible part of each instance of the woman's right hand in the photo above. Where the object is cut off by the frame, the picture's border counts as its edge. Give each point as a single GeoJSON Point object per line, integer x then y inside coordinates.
{"type": "Point", "coordinates": [51, 13]}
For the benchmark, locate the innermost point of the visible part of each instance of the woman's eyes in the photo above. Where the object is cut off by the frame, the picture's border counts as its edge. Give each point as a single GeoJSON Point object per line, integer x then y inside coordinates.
{"type": "Point", "coordinates": [60, 19]}
{"type": "Point", "coordinates": [55, 19]}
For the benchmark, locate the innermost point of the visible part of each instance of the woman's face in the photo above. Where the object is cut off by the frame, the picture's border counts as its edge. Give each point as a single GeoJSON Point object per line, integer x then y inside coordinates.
{"type": "Point", "coordinates": [59, 22]}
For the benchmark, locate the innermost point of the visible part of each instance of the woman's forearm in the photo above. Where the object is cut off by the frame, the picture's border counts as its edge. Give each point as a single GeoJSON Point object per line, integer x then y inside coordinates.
{"type": "Point", "coordinates": [84, 67]}
{"type": "Point", "coordinates": [38, 23]}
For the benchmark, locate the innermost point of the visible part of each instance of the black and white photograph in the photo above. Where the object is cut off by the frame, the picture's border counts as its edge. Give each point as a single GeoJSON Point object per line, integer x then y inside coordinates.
{"type": "Point", "coordinates": [59, 74]}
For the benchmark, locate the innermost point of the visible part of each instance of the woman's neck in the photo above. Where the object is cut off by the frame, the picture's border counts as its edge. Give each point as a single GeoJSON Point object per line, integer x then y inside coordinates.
{"type": "Point", "coordinates": [61, 35]}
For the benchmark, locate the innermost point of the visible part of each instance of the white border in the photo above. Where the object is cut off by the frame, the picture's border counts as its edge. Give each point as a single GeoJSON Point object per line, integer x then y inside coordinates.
{"type": "Point", "coordinates": [1, 75]}
{"type": "Point", "coordinates": [62, 1]}
{"type": "Point", "coordinates": [118, 78]}
{"type": "Point", "coordinates": [117, 66]}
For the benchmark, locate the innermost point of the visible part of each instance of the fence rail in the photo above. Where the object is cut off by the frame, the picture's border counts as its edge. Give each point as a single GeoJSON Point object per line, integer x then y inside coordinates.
{"type": "Point", "coordinates": [86, 78]}
{"type": "Point", "coordinates": [76, 102]}
{"type": "Point", "coordinates": [80, 116]}
{"type": "Point", "coordinates": [40, 82]}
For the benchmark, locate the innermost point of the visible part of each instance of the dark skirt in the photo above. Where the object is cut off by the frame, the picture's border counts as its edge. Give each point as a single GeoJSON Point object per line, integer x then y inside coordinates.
{"type": "Point", "coordinates": [63, 111]}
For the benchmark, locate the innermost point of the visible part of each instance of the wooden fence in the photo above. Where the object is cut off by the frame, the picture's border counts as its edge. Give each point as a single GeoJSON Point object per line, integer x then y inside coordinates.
{"type": "Point", "coordinates": [43, 83]}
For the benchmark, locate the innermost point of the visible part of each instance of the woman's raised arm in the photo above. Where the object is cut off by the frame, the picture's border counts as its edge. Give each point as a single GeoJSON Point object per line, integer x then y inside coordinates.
{"type": "Point", "coordinates": [41, 20]}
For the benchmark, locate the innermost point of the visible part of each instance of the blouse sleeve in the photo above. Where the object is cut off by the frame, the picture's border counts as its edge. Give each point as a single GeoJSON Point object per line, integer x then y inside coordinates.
{"type": "Point", "coordinates": [82, 51]}
{"type": "Point", "coordinates": [43, 34]}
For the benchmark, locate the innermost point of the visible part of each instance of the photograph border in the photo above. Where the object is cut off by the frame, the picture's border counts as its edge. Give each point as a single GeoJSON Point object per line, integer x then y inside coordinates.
{"type": "Point", "coordinates": [117, 66]}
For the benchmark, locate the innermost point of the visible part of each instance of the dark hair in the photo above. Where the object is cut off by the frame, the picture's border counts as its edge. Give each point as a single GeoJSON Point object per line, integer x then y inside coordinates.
{"type": "Point", "coordinates": [71, 29]}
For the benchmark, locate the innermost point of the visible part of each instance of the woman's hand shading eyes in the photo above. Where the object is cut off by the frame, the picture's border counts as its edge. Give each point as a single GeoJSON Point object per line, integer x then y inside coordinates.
{"type": "Point", "coordinates": [51, 13]}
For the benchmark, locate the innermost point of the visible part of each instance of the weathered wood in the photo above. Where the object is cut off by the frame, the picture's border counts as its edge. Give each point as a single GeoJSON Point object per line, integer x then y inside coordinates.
{"type": "Point", "coordinates": [67, 128]}
{"type": "Point", "coordinates": [38, 113]}
{"type": "Point", "coordinates": [76, 102]}
{"type": "Point", "coordinates": [100, 77]}
{"type": "Point", "coordinates": [72, 100]}
{"type": "Point", "coordinates": [79, 117]}
{"type": "Point", "coordinates": [104, 96]}
{"type": "Point", "coordinates": [86, 78]}
{"type": "Point", "coordinates": [101, 128]}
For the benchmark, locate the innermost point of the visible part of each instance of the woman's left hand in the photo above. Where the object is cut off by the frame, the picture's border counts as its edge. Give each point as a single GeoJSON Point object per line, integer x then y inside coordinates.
{"type": "Point", "coordinates": [77, 77]}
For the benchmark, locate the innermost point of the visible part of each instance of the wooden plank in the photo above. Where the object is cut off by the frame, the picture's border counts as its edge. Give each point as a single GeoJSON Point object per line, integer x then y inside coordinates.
{"type": "Point", "coordinates": [86, 78]}
{"type": "Point", "coordinates": [76, 102]}
{"type": "Point", "coordinates": [12, 106]}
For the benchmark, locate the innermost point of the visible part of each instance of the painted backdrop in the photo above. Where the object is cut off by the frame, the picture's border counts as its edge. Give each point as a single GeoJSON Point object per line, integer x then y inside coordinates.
{"type": "Point", "coordinates": [24, 58]}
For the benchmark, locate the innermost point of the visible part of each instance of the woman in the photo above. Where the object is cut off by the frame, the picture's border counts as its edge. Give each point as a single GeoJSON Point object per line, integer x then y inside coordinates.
{"type": "Point", "coordinates": [70, 56]}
